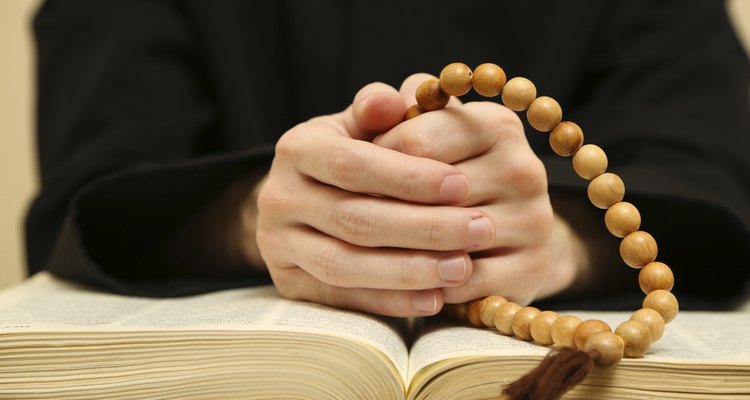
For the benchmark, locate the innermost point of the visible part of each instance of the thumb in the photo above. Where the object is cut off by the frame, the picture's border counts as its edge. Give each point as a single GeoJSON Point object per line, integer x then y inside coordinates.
{"type": "Point", "coordinates": [376, 108]}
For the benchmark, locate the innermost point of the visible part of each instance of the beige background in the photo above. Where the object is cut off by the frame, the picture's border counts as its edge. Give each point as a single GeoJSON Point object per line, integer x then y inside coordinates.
{"type": "Point", "coordinates": [17, 170]}
{"type": "Point", "coordinates": [17, 173]}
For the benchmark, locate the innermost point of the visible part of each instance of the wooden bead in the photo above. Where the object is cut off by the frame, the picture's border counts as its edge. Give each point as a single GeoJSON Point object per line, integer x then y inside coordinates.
{"type": "Point", "coordinates": [653, 320]}
{"type": "Point", "coordinates": [521, 323]}
{"type": "Point", "coordinates": [606, 190]}
{"type": "Point", "coordinates": [638, 249]}
{"type": "Point", "coordinates": [604, 348]}
{"type": "Point", "coordinates": [518, 94]}
{"type": "Point", "coordinates": [622, 219]}
{"type": "Point", "coordinates": [663, 302]}
{"type": "Point", "coordinates": [566, 138]}
{"type": "Point", "coordinates": [564, 331]}
{"type": "Point", "coordinates": [654, 276]}
{"type": "Point", "coordinates": [488, 307]}
{"type": "Point", "coordinates": [488, 80]}
{"type": "Point", "coordinates": [430, 97]}
{"type": "Point", "coordinates": [588, 328]}
{"type": "Point", "coordinates": [590, 161]}
{"type": "Point", "coordinates": [413, 112]}
{"type": "Point", "coordinates": [544, 114]}
{"type": "Point", "coordinates": [637, 337]}
{"type": "Point", "coordinates": [455, 79]}
{"type": "Point", "coordinates": [474, 314]}
{"type": "Point", "coordinates": [541, 327]}
{"type": "Point", "coordinates": [503, 318]}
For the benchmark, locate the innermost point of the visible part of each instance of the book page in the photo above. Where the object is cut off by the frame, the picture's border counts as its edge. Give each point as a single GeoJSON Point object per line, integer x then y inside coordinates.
{"type": "Point", "coordinates": [444, 341]}
{"type": "Point", "coordinates": [693, 337]}
{"type": "Point", "coordinates": [707, 337]}
{"type": "Point", "coordinates": [44, 303]}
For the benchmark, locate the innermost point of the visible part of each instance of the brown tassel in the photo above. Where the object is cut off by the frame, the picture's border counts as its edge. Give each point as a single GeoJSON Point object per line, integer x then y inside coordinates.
{"type": "Point", "coordinates": [560, 371]}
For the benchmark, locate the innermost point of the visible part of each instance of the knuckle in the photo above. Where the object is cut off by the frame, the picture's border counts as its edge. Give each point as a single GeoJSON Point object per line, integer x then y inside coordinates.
{"type": "Point", "coordinates": [283, 287]}
{"type": "Point", "coordinates": [330, 295]}
{"type": "Point", "coordinates": [414, 143]}
{"type": "Point", "coordinates": [287, 283]}
{"type": "Point", "coordinates": [413, 180]}
{"type": "Point", "coordinates": [346, 166]}
{"type": "Point", "coordinates": [382, 302]}
{"type": "Point", "coordinates": [264, 239]}
{"type": "Point", "coordinates": [273, 199]}
{"type": "Point", "coordinates": [536, 177]}
{"type": "Point", "coordinates": [353, 220]}
{"type": "Point", "coordinates": [498, 122]}
{"type": "Point", "coordinates": [407, 278]}
{"type": "Point", "coordinates": [541, 220]}
{"type": "Point", "coordinates": [285, 290]}
{"type": "Point", "coordinates": [271, 240]}
{"type": "Point", "coordinates": [468, 291]}
{"type": "Point", "coordinates": [511, 121]}
{"type": "Point", "coordinates": [327, 267]}
{"type": "Point", "coordinates": [529, 175]}
{"type": "Point", "coordinates": [288, 144]}
{"type": "Point", "coordinates": [437, 227]}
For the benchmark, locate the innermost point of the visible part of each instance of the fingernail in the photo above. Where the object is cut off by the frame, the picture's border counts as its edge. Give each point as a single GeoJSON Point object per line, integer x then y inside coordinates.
{"type": "Point", "coordinates": [481, 232]}
{"type": "Point", "coordinates": [454, 188]}
{"type": "Point", "coordinates": [425, 301]}
{"type": "Point", "coordinates": [452, 268]}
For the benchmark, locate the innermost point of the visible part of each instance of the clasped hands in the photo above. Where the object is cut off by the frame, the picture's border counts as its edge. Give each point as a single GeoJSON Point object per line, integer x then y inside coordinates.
{"type": "Point", "coordinates": [362, 210]}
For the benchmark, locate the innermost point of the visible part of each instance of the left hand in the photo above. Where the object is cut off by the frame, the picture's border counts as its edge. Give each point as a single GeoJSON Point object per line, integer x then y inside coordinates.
{"type": "Point", "coordinates": [509, 184]}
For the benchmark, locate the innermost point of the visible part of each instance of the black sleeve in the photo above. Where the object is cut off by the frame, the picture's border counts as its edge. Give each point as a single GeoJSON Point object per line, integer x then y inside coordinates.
{"type": "Point", "coordinates": [128, 122]}
{"type": "Point", "coordinates": [666, 96]}
{"type": "Point", "coordinates": [128, 144]}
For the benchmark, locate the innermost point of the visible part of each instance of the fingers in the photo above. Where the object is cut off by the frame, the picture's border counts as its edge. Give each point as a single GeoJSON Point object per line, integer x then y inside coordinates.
{"type": "Point", "coordinates": [296, 284]}
{"type": "Point", "coordinates": [367, 226]}
{"type": "Point", "coordinates": [286, 240]}
{"type": "Point", "coordinates": [505, 175]}
{"type": "Point", "coordinates": [358, 166]}
{"type": "Point", "coordinates": [456, 134]}
{"type": "Point", "coordinates": [369, 221]}
{"type": "Point", "coordinates": [376, 108]}
{"type": "Point", "coordinates": [520, 225]}
{"type": "Point", "coordinates": [486, 141]}
{"type": "Point", "coordinates": [341, 264]}
{"type": "Point", "coordinates": [387, 282]}
{"type": "Point", "coordinates": [365, 220]}
{"type": "Point", "coordinates": [515, 273]}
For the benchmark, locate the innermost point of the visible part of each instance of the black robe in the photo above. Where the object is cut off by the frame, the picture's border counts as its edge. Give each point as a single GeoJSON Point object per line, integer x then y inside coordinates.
{"type": "Point", "coordinates": [147, 109]}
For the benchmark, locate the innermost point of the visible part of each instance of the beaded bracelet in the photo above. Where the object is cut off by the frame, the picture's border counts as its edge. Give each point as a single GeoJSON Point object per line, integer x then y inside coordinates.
{"type": "Point", "coordinates": [593, 340]}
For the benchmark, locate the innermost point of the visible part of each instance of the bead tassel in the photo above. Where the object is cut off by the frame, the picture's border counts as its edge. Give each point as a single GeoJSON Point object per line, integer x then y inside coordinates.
{"type": "Point", "coordinates": [580, 345]}
{"type": "Point", "coordinates": [559, 371]}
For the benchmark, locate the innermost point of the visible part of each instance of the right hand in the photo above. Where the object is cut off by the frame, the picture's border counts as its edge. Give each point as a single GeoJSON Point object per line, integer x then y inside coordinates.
{"type": "Point", "coordinates": [339, 217]}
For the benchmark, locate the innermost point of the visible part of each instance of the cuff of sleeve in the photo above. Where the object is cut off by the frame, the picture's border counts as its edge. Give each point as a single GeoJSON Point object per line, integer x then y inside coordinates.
{"type": "Point", "coordinates": [117, 226]}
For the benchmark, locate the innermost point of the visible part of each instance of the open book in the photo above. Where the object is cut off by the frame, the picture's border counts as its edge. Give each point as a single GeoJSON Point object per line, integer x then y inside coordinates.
{"type": "Point", "coordinates": [63, 341]}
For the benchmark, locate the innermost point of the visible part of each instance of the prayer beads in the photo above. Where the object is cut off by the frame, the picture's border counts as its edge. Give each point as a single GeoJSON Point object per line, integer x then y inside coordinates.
{"type": "Point", "coordinates": [606, 190]}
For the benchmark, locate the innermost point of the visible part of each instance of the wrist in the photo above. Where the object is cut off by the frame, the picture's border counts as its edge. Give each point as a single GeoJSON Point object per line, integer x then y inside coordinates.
{"type": "Point", "coordinates": [220, 238]}
{"type": "Point", "coordinates": [570, 259]}
{"type": "Point", "coordinates": [582, 246]}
